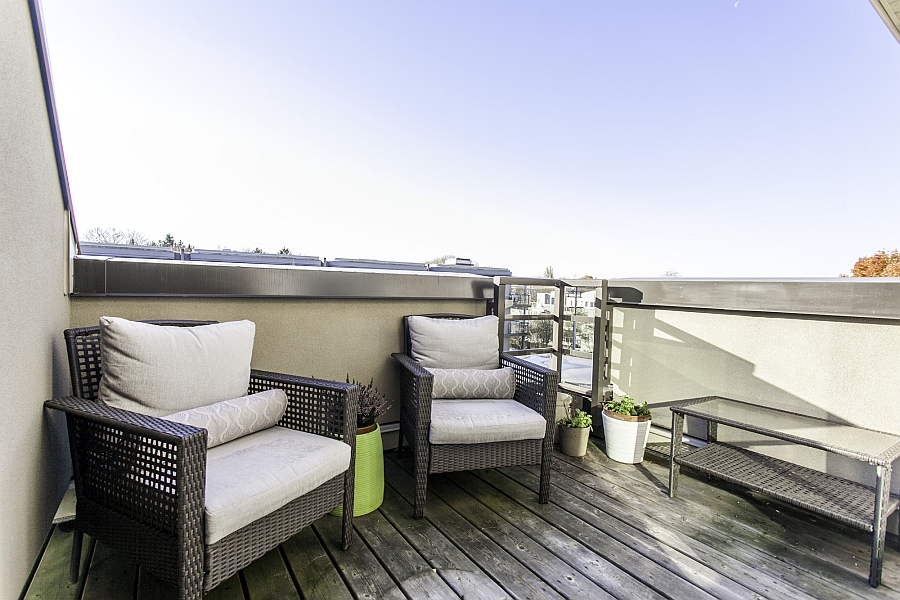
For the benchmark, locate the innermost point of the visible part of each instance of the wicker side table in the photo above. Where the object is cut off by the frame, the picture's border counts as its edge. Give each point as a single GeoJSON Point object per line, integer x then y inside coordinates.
{"type": "Point", "coordinates": [846, 501]}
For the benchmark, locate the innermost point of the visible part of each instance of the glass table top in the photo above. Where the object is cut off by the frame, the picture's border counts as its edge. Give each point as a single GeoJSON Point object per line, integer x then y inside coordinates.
{"type": "Point", "coordinates": [836, 437]}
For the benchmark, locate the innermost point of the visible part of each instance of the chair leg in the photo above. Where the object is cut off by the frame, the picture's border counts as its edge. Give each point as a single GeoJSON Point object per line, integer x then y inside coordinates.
{"type": "Point", "coordinates": [75, 560]}
{"type": "Point", "coordinates": [421, 469]}
{"type": "Point", "coordinates": [399, 441]}
{"type": "Point", "coordinates": [347, 518]}
{"type": "Point", "coordinates": [544, 493]}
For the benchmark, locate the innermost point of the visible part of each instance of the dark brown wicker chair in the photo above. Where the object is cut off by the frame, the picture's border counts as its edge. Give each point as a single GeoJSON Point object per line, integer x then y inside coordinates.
{"type": "Point", "coordinates": [536, 388]}
{"type": "Point", "coordinates": [140, 479]}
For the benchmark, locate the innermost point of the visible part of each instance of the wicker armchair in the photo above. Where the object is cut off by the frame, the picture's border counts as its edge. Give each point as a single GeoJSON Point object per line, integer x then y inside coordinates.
{"type": "Point", "coordinates": [140, 480]}
{"type": "Point", "coordinates": [536, 388]}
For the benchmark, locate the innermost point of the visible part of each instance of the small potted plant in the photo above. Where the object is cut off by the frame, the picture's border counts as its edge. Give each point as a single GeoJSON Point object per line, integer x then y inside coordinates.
{"type": "Point", "coordinates": [369, 479]}
{"type": "Point", "coordinates": [626, 427]}
{"type": "Point", "coordinates": [574, 431]}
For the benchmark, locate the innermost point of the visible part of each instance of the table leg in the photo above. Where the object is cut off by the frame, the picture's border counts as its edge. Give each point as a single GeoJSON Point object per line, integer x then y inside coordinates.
{"type": "Point", "coordinates": [882, 492]}
{"type": "Point", "coordinates": [712, 431]}
{"type": "Point", "coordinates": [675, 450]}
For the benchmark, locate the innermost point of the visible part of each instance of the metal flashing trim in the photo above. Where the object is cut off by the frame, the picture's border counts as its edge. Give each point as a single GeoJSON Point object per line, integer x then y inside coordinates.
{"type": "Point", "coordinates": [40, 43]}
{"type": "Point", "coordinates": [96, 276]}
{"type": "Point", "coordinates": [867, 298]}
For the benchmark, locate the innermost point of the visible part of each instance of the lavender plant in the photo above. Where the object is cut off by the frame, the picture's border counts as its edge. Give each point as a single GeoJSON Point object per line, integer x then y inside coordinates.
{"type": "Point", "coordinates": [372, 403]}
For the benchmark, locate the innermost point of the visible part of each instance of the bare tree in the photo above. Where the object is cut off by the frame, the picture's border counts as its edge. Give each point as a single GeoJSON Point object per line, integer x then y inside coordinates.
{"type": "Point", "coordinates": [111, 235]}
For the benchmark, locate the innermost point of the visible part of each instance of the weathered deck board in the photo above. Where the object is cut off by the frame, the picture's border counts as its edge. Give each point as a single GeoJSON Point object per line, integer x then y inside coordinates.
{"type": "Point", "coordinates": [313, 570]}
{"type": "Point", "coordinates": [539, 560]}
{"type": "Point", "coordinates": [609, 531]}
{"type": "Point", "coordinates": [461, 573]}
{"type": "Point", "coordinates": [713, 517]}
{"type": "Point", "coordinates": [51, 580]}
{"type": "Point", "coordinates": [590, 505]}
{"type": "Point", "coordinates": [412, 573]}
{"type": "Point", "coordinates": [565, 542]}
{"type": "Point", "coordinates": [679, 576]}
{"type": "Point", "coordinates": [110, 576]}
{"type": "Point", "coordinates": [490, 556]}
{"type": "Point", "coordinates": [267, 578]}
{"type": "Point", "coordinates": [359, 568]}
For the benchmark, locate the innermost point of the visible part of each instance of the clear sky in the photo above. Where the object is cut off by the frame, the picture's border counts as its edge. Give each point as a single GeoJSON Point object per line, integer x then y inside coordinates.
{"type": "Point", "coordinates": [758, 138]}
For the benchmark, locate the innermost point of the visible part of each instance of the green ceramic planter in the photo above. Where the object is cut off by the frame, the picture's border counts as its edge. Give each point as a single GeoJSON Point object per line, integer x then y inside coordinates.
{"type": "Point", "coordinates": [369, 487]}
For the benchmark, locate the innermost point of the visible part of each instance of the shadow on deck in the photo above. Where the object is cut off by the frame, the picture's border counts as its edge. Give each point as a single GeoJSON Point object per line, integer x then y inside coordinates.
{"type": "Point", "coordinates": [610, 531]}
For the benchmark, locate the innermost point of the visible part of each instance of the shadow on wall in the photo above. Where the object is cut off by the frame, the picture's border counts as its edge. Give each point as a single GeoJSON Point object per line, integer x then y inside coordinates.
{"type": "Point", "coordinates": [656, 362]}
{"type": "Point", "coordinates": [661, 363]}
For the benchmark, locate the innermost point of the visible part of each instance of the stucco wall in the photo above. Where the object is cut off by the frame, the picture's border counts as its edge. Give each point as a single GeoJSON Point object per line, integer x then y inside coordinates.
{"type": "Point", "coordinates": [33, 227]}
{"type": "Point", "coordinates": [320, 338]}
{"type": "Point", "coordinates": [846, 370]}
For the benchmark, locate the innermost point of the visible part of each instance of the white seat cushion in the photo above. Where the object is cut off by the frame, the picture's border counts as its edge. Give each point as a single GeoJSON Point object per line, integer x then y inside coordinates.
{"type": "Point", "coordinates": [159, 370]}
{"type": "Point", "coordinates": [455, 343]}
{"type": "Point", "coordinates": [252, 476]}
{"type": "Point", "coordinates": [482, 421]}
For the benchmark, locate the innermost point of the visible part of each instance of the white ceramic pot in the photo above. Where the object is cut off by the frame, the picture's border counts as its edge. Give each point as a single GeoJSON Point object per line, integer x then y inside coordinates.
{"type": "Point", "coordinates": [626, 436]}
{"type": "Point", "coordinates": [573, 440]}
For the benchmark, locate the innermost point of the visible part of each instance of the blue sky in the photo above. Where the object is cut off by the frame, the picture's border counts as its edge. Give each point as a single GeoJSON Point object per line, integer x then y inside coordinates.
{"type": "Point", "coordinates": [617, 139]}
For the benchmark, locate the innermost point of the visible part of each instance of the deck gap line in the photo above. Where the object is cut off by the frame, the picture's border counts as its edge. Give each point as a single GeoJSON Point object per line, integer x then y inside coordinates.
{"type": "Point", "coordinates": [85, 567]}
{"type": "Point", "coordinates": [382, 563]}
{"type": "Point", "coordinates": [460, 548]}
{"type": "Point", "coordinates": [37, 561]}
{"type": "Point", "coordinates": [290, 570]}
{"type": "Point", "coordinates": [750, 549]}
{"type": "Point", "coordinates": [244, 589]}
{"type": "Point", "coordinates": [662, 592]}
{"type": "Point", "coordinates": [662, 543]}
{"type": "Point", "coordinates": [638, 540]}
{"type": "Point", "coordinates": [438, 572]}
{"type": "Point", "coordinates": [491, 539]}
{"type": "Point", "coordinates": [746, 528]}
{"type": "Point", "coordinates": [333, 562]}
{"type": "Point", "coordinates": [527, 536]}
{"type": "Point", "coordinates": [476, 528]}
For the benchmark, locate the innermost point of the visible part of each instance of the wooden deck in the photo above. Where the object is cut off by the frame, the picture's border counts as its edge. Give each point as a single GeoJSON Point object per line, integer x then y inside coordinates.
{"type": "Point", "coordinates": [610, 531]}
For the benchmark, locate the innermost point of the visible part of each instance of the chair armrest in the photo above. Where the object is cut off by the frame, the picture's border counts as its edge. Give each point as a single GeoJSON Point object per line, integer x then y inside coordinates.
{"type": "Point", "coordinates": [316, 406]}
{"type": "Point", "coordinates": [536, 386]}
{"type": "Point", "coordinates": [416, 383]}
{"type": "Point", "coordinates": [146, 469]}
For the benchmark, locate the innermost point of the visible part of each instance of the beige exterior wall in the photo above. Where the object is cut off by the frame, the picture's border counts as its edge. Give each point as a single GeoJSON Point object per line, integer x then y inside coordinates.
{"type": "Point", "coordinates": [846, 370]}
{"type": "Point", "coordinates": [33, 304]}
{"type": "Point", "coordinates": [324, 338]}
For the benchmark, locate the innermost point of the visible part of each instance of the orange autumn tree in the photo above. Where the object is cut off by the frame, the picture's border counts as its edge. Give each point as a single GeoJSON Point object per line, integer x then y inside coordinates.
{"type": "Point", "coordinates": [880, 264]}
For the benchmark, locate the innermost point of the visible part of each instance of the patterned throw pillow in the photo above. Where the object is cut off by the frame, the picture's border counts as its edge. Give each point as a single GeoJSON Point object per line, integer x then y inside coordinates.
{"type": "Point", "coordinates": [231, 419]}
{"type": "Point", "coordinates": [474, 383]}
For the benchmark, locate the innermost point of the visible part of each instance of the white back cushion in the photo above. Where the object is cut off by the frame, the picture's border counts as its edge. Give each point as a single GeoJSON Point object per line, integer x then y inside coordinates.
{"type": "Point", "coordinates": [474, 383]}
{"type": "Point", "coordinates": [159, 370]}
{"type": "Point", "coordinates": [455, 343]}
{"type": "Point", "coordinates": [230, 419]}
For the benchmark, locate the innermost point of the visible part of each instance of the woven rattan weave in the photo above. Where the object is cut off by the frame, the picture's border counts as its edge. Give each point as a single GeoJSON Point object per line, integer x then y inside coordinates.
{"type": "Point", "coordinates": [536, 388]}
{"type": "Point", "coordinates": [140, 480]}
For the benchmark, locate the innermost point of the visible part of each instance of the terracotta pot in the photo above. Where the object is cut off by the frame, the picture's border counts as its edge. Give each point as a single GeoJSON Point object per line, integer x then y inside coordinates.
{"type": "Point", "coordinates": [573, 440]}
{"type": "Point", "coordinates": [626, 436]}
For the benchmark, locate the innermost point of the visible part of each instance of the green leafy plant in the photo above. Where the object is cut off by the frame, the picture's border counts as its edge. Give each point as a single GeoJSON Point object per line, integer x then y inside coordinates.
{"type": "Point", "coordinates": [625, 406]}
{"type": "Point", "coordinates": [577, 419]}
{"type": "Point", "coordinates": [372, 404]}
